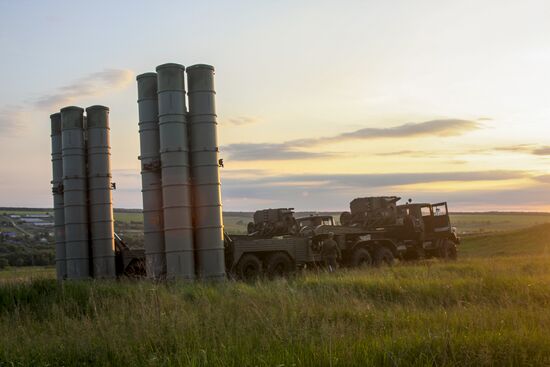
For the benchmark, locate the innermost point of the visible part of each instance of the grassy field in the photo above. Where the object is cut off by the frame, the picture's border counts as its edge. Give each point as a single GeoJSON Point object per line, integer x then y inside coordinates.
{"type": "Point", "coordinates": [489, 308]}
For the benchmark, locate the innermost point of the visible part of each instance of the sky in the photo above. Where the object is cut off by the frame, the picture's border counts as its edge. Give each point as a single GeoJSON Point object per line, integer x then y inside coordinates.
{"type": "Point", "coordinates": [318, 102]}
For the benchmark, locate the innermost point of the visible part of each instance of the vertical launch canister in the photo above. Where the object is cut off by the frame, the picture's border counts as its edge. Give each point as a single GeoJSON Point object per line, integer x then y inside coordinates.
{"type": "Point", "coordinates": [57, 191]}
{"type": "Point", "coordinates": [151, 182]}
{"type": "Point", "coordinates": [203, 144]}
{"type": "Point", "coordinates": [99, 192]}
{"type": "Point", "coordinates": [75, 193]}
{"type": "Point", "coordinates": [176, 185]}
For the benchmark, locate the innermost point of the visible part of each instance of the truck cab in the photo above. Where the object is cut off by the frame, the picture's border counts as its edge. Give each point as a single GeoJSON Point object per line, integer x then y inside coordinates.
{"type": "Point", "coordinates": [430, 225]}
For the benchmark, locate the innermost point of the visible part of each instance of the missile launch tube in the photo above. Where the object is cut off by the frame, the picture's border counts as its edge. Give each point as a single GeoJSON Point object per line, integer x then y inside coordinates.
{"type": "Point", "coordinates": [57, 191]}
{"type": "Point", "coordinates": [99, 192]}
{"type": "Point", "coordinates": [75, 193]}
{"type": "Point", "coordinates": [174, 153]}
{"type": "Point", "coordinates": [151, 182]}
{"type": "Point", "coordinates": [207, 205]}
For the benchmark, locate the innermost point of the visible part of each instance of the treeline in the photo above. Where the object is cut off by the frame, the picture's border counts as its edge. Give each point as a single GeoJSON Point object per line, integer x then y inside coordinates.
{"type": "Point", "coordinates": [21, 255]}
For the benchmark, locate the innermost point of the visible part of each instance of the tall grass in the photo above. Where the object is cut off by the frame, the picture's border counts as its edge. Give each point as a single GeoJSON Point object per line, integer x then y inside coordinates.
{"type": "Point", "coordinates": [473, 312]}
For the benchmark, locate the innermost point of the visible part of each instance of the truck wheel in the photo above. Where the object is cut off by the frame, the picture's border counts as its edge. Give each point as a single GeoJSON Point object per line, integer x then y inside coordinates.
{"type": "Point", "coordinates": [447, 251]}
{"type": "Point", "coordinates": [383, 256]}
{"type": "Point", "coordinates": [249, 267]}
{"type": "Point", "coordinates": [279, 264]}
{"type": "Point", "coordinates": [361, 257]}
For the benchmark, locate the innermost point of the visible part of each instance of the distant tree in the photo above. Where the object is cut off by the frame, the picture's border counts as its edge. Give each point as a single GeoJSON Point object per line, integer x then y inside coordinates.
{"type": "Point", "coordinates": [3, 263]}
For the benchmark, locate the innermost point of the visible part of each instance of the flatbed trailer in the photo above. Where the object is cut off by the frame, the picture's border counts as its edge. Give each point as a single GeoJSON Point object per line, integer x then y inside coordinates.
{"type": "Point", "coordinates": [249, 256]}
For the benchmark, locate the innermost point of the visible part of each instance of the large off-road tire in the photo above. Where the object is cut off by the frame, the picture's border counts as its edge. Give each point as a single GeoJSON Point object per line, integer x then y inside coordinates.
{"type": "Point", "coordinates": [280, 264]}
{"type": "Point", "coordinates": [383, 256]}
{"type": "Point", "coordinates": [361, 258]}
{"type": "Point", "coordinates": [447, 250]}
{"type": "Point", "coordinates": [249, 267]}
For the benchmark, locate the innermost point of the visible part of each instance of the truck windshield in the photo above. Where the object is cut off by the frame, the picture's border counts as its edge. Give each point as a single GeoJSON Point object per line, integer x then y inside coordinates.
{"type": "Point", "coordinates": [315, 222]}
{"type": "Point", "coordinates": [440, 210]}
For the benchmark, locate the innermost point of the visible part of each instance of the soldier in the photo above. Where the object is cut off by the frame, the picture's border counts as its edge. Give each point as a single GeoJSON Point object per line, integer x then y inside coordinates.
{"type": "Point", "coordinates": [330, 252]}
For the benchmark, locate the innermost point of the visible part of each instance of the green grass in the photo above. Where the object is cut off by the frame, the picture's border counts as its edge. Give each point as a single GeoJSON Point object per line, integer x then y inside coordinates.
{"type": "Point", "coordinates": [530, 240]}
{"type": "Point", "coordinates": [474, 312]}
{"type": "Point", "coordinates": [492, 222]}
{"type": "Point", "coordinates": [25, 273]}
{"type": "Point", "coordinates": [490, 308]}
{"type": "Point", "coordinates": [128, 217]}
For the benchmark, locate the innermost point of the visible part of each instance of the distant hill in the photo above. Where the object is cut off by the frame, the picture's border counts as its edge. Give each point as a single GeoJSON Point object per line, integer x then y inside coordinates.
{"type": "Point", "coordinates": [533, 240]}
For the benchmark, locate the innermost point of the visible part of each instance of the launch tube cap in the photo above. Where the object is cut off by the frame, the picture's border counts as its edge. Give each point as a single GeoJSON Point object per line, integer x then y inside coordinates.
{"type": "Point", "coordinates": [146, 75]}
{"type": "Point", "coordinates": [97, 107]}
{"type": "Point", "coordinates": [56, 122]}
{"type": "Point", "coordinates": [70, 108]}
{"type": "Point", "coordinates": [170, 65]}
{"type": "Point", "coordinates": [200, 66]}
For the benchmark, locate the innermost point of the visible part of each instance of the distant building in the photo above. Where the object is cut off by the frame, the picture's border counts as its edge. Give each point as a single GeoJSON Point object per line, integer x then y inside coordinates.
{"type": "Point", "coordinates": [14, 216]}
{"type": "Point", "coordinates": [37, 216]}
{"type": "Point", "coordinates": [44, 224]}
{"type": "Point", "coordinates": [8, 234]}
{"type": "Point", "coordinates": [31, 220]}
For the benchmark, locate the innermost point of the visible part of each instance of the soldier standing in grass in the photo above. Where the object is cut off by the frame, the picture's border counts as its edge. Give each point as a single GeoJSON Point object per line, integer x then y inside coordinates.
{"type": "Point", "coordinates": [330, 252]}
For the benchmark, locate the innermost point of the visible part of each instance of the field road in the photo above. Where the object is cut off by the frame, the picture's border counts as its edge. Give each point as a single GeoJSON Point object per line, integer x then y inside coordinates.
{"type": "Point", "coordinates": [17, 227]}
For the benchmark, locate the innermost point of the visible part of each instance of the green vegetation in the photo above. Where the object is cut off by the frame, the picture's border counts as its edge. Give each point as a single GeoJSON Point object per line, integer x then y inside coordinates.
{"type": "Point", "coordinates": [474, 312]}
{"type": "Point", "coordinates": [26, 273]}
{"type": "Point", "coordinates": [489, 308]}
{"type": "Point", "coordinates": [530, 240]}
{"type": "Point", "coordinates": [492, 222]}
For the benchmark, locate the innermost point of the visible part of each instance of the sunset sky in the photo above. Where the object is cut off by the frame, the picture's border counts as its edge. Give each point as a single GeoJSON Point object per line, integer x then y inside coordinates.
{"type": "Point", "coordinates": [318, 101]}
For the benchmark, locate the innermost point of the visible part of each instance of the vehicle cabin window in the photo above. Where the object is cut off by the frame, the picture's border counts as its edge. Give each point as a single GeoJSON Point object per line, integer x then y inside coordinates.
{"type": "Point", "coordinates": [327, 221]}
{"type": "Point", "coordinates": [305, 223]}
{"type": "Point", "coordinates": [440, 210]}
{"type": "Point", "coordinates": [425, 210]}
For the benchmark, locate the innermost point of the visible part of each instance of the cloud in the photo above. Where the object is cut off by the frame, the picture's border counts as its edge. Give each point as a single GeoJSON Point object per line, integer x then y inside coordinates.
{"type": "Point", "coordinates": [542, 150]}
{"type": "Point", "coordinates": [12, 120]}
{"type": "Point", "coordinates": [408, 153]}
{"type": "Point", "coordinates": [266, 151]}
{"type": "Point", "coordinates": [543, 179]}
{"type": "Point", "coordinates": [522, 148]}
{"type": "Point", "coordinates": [293, 149]}
{"type": "Point", "coordinates": [545, 150]}
{"type": "Point", "coordinates": [15, 118]}
{"type": "Point", "coordinates": [334, 191]}
{"type": "Point", "coordinates": [441, 128]}
{"type": "Point", "coordinates": [242, 120]}
{"type": "Point", "coordinates": [93, 84]}
{"type": "Point", "coordinates": [389, 179]}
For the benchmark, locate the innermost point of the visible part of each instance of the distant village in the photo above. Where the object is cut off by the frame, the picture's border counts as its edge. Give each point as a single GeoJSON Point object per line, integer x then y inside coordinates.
{"type": "Point", "coordinates": [26, 239]}
{"type": "Point", "coordinates": [15, 227]}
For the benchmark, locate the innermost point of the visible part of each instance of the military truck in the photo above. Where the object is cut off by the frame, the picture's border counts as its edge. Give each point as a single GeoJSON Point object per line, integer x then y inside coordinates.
{"type": "Point", "coordinates": [423, 229]}
{"type": "Point", "coordinates": [299, 246]}
{"type": "Point", "coordinates": [376, 231]}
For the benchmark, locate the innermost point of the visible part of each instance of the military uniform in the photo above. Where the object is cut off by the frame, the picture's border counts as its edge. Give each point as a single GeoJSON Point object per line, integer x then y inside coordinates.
{"type": "Point", "coordinates": [329, 253]}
